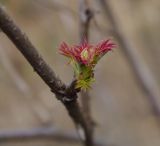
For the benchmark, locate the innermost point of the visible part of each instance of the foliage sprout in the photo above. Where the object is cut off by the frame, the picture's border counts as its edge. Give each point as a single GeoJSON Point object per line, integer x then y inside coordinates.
{"type": "Point", "coordinates": [83, 59]}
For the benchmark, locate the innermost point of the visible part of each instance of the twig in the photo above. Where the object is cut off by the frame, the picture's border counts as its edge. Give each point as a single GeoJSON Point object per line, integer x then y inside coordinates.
{"type": "Point", "coordinates": [37, 133]}
{"type": "Point", "coordinates": [85, 15]}
{"type": "Point", "coordinates": [41, 134]}
{"type": "Point", "coordinates": [86, 107]}
{"type": "Point", "coordinates": [142, 74]}
{"type": "Point", "coordinates": [69, 99]}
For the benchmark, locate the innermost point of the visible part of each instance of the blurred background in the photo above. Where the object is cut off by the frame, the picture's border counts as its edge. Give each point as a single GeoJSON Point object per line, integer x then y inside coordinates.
{"type": "Point", "coordinates": [125, 98]}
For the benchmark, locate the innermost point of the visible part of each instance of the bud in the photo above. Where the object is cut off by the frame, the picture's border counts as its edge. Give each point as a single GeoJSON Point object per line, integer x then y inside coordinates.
{"type": "Point", "coordinates": [83, 58]}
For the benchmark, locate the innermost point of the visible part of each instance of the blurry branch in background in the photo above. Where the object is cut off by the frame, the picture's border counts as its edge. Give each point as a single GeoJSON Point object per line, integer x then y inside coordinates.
{"type": "Point", "coordinates": [49, 133]}
{"type": "Point", "coordinates": [67, 95]}
{"type": "Point", "coordinates": [40, 134]}
{"type": "Point", "coordinates": [142, 74]}
{"type": "Point", "coordinates": [66, 14]}
{"type": "Point", "coordinates": [100, 29]}
{"type": "Point", "coordinates": [14, 75]}
{"type": "Point", "coordinates": [34, 133]}
{"type": "Point", "coordinates": [37, 133]}
{"type": "Point", "coordinates": [39, 112]}
{"type": "Point", "coordinates": [85, 15]}
{"type": "Point", "coordinates": [55, 5]}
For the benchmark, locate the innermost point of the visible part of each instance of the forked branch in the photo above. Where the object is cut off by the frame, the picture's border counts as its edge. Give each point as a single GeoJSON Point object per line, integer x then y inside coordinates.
{"type": "Point", "coordinates": [67, 97]}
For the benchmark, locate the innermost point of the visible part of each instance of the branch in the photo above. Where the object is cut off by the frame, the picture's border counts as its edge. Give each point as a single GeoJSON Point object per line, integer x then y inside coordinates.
{"type": "Point", "coordinates": [37, 133]}
{"type": "Point", "coordinates": [85, 15]}
{"type": "Point", "coordinates": [67, 97]}
{"type": "Point", "coordinates": [40, 134]}
{"type": "Point", "coordinates": [30, 53]}
{"type": "Point", "coordinates": [142, 74]}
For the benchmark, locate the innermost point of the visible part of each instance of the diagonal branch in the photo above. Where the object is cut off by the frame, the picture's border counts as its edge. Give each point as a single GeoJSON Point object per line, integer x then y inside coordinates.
{"type": "Point", "coordinates": [142, 74]}
{"type": "Point", "coordinates": [67, 97]}
{"type": "Point", "coordinates": [30, 53]}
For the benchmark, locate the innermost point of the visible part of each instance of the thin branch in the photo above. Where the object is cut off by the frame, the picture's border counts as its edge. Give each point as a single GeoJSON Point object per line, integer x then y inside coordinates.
{"type": "Point", "coordinates": [41, 134]}
{"type": "Point", "coordinates": [37, 133]}
{"type": "Point", "coordinates": [86, 108]}
{"type": "Point", "coordinates": [67, 97]}
{"type": "Point", "coordinates": [85, 15]}
{"type": "Point", "coordinates": [142, 74]}
{"type": "Point", "coordinates": [14, 75]}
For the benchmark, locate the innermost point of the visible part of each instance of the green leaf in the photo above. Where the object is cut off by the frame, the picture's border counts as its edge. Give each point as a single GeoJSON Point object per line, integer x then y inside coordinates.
{"type": "Point", "coordinates": [85, 84]}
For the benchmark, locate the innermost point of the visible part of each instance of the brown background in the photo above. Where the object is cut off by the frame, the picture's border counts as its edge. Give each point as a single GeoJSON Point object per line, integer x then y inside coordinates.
{"type": "Point", "coordinates": [120, 106]}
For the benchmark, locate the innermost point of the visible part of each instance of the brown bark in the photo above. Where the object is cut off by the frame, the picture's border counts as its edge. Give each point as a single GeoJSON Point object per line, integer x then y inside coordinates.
{"type": "Point", "coordinates": [68, 96]}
